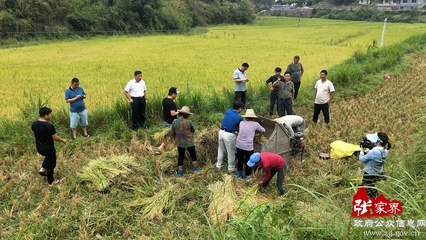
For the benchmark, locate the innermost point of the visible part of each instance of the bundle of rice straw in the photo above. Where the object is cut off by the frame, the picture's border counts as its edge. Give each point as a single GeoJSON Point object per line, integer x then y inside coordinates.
{"type": "Point", "coordinates": [165, 199]}
{"type": "Point", "coordinates": [223, 201]}
{"type": "Point", "coordinates": [260, 138]}
{"type": "Point", "coordinates": [162, 136]}
{"type": "Point", "coordinates": [102, 171]}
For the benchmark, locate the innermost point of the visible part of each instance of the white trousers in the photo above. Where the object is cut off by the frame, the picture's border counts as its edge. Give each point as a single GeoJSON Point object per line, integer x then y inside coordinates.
{"type": "Point", "coordinates": [227, 143]}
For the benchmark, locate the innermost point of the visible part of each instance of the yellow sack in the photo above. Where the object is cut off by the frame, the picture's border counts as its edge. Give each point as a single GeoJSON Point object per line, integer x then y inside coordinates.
{"type": "Point", "coordinates": [340, 149]}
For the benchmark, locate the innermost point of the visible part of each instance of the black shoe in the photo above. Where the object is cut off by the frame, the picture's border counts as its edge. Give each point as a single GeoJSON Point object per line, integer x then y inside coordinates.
{"type": "Point", "coordinates": [282, 191]}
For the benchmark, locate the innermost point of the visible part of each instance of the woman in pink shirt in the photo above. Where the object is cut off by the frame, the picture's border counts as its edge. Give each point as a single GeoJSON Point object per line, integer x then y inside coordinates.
{"type": "Point", "coordinates": [245, 141]}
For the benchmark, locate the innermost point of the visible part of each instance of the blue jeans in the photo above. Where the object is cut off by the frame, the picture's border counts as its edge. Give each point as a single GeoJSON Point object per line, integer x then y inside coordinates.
{"type": "Point", "coordinates": [285, 105]}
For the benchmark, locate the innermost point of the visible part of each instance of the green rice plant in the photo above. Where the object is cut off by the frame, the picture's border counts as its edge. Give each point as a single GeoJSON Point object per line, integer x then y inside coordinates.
{"type": "Point", "coordinates": [101, 172]}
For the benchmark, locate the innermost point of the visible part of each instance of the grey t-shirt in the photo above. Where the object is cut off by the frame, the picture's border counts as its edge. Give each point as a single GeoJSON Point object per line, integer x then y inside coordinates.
{"type": "Point", "coordinates": [295, 71]}
{"type": "Point", "coordinates": [240, 86]}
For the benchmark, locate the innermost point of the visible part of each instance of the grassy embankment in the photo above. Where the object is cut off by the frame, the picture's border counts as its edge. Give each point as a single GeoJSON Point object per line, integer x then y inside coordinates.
{"type": "Point", "coordinates": [147, 201]}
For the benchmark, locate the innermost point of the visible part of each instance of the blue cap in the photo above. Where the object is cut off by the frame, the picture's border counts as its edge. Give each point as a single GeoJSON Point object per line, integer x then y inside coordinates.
{"type": "Point", "coordinates": [254, 158]}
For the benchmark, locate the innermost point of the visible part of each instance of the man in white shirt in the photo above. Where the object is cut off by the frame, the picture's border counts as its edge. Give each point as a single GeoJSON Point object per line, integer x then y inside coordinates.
{"type": "Point", "coordinates": [240, 80]}
{"type": "Point", "coordinates": [135, 92]}
{"type": "Point", "coordinates": [324, 93]}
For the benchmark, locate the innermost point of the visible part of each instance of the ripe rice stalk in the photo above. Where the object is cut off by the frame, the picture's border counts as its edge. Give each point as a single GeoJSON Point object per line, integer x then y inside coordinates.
{"type": "Point", "coordinates": [164, 200]}
{"type": "Point", "coordinates": [162, 136]}
{"type": "Point", "coordinates": [223, 201]}
{"type": "Point", "coordinates": [102, 171]}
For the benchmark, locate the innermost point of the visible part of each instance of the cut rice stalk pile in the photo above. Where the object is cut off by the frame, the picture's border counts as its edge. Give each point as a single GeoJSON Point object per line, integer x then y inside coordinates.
{"type": "Point", "coordinates": [102, 171]}
{"type": "Point", "coordinates": [223, 201]}
{"type": "Point", "coordinates": [164, 200]}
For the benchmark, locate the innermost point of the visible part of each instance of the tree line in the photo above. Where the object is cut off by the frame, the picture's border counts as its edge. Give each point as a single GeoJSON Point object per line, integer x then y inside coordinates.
{"type": "Point", "coordinates": [24, 19]}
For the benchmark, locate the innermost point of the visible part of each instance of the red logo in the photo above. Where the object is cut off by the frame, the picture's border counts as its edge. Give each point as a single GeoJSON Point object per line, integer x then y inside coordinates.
{"type": "Point", "coordinates": [362, 206]}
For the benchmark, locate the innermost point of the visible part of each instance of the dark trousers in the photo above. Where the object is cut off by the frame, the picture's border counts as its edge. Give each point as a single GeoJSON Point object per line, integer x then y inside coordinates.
{"type": "Point", "coordinates": [325, 110]}
{"type": "Point", "coordinates": [138, 112]}
{"type": "Point", "coordinates": [49, 163]}
{"type": "Point", "coordinates": [243, 156]}
{"type": "Point", "coordinates": [181, 152]}
{"type": "Point", "coordinates": [369, 180]}
{"type": "Point", "coordinates": [280, 177]}
{"type": "Point", "coordinates": [241, 96]}
{"type": "Point", "coordinates": [296, 88]}
{"type": "Point", "coordinates": [273, 100]}
{"type": "Point", "coordinates": [285, 105]}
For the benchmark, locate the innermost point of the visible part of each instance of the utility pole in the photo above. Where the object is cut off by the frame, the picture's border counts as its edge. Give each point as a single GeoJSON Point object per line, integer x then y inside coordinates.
{"type": "Point", "coordinates": [383, 32]}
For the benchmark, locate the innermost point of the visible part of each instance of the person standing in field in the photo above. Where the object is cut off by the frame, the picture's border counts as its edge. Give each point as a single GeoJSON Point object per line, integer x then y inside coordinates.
{"type": "Point", "coordinates": [170, 112]}
{"type": "Point", "coordinates": [285, 95]}
{"type": "Point", "coordinates": [296, 70]}
{"type": "Point", "coordinates": [245, 141]}
{"type": "Point", "coordinates": [135, 92]}
{"type": "Point", "coordinates": [274, 90]}
{"type": "Point", "coordinates": [324, 93]}
{"type": "Point", "coordinates": [240, 80]}
{"type": "Point", "coordinates": [271, 164]}
{"type": "Point", "coordinates": [227, 137]}
{"type": "Point", "coordinates": [75, 95]}
{"type": "Point", "coordinates": [183, 132]}
{"type": "Point", "coordinates": [45, 134]}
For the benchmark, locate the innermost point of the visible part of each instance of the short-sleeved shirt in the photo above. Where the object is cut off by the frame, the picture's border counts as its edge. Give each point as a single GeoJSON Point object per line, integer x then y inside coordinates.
{"type": "Point", "coordinates": [183, 132]}
{"type": "Point", "coordinates": [43, 132]}
{"type": "Point", "coordinates": [295, 71]}
{"type": "Point", "coordinates": [136, 89]}
{"type": "Point", "coordinates": [78, 105]}
{"type": "Point", "coordinates": [240, 86]}
{"type": "Point", "coordinates": [285, 90]}
{"type": "Point", "coordinates": [245, 139]}
{"type": "Point", "coordinates": [231, 120]}
{"type": "Point", "coordinates": [273, 79]}
{"type": "Point", "coordinates": [324, 89]}
{"type": "Point", "coordinates": [168, 105]}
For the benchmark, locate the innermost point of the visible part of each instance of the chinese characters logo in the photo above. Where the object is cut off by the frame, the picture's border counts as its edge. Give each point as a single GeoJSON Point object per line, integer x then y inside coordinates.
{"type": "Point", "coordinates": [362, 206]}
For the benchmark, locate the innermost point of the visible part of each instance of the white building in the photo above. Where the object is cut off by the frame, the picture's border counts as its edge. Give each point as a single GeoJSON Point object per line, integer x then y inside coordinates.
{"type": "Point", "coordinates": [400, 4]}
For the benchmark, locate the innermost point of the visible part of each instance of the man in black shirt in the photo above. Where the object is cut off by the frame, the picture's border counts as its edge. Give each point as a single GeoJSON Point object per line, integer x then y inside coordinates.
{"type": "Point", "coordinates": [45, 135]}
{"type": "Point", "coordinates": [274, 90]}
{"type": "Point", "coordinates": [169, 113]}
{"type": "Point", "coordinates": [169, 107]}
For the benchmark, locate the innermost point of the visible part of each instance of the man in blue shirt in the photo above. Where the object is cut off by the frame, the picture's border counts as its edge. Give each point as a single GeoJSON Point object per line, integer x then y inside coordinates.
{"type": "Point", "coordinates": [227, 137]}
{"type": "Point", "coordinates": [75, 96]}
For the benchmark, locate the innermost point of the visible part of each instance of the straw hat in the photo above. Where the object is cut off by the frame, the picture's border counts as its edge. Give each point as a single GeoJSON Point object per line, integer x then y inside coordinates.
{"type": "Point", "coordinates": [185, 110]}
{"type": "Point", "coordinates": [250, 114]}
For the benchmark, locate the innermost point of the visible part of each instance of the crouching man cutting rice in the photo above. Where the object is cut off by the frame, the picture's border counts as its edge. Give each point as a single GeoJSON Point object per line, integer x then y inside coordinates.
{"type": "Point", "coordinates": [271, 164]}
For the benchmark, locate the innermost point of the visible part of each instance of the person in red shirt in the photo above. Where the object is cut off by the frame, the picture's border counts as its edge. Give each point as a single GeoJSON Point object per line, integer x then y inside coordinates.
{"type": "Point", "coordinates": [271, 163]}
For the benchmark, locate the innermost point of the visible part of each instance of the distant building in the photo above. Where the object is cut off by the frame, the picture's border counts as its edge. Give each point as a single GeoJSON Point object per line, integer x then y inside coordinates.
{"type": "Point", "coordinates": [364, 2]}
{"type": "Point", "coordinates": [400, 4]}
{"type": "Point", "coordinates": [280, 7]}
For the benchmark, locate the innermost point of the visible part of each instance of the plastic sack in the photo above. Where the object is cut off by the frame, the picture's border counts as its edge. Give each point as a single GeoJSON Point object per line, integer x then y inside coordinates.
{"type": "Point", "coordinates": [340, 149]}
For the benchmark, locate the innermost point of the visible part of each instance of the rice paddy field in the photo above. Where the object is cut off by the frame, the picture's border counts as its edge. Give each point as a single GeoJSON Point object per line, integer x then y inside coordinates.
{"type": "Point", "coordinates": [202, 61]}
{"type": "Point", "coordinates": [114, 187]}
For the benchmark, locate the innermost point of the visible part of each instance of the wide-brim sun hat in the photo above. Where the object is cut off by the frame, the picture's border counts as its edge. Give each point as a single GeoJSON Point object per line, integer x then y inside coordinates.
{"type": "Point", "coordinates": [250, 114]}
{"type": "Point", "coordinates": [185, 110]}
{"type": "Point", "coordinates": [373, 137]}
{"type": "Point", "coordinates": [254, 158]}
